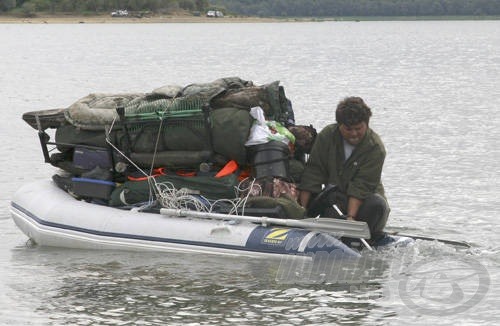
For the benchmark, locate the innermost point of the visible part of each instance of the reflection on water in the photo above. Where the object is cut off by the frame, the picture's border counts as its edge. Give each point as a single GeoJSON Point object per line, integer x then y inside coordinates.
{"type": "Point", "coordinates": [114, 288]}
{"type": "Point", "coordinates": [82, 287]}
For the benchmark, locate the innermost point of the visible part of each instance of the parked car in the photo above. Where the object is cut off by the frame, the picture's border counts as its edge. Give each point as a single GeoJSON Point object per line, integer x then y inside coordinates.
{"type": "Point", "coordinates": [215, 13]}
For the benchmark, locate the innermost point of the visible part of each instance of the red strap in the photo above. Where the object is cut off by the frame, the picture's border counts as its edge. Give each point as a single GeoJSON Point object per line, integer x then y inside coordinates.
{"type": "Point", "coordinates": [185, 173]}
{"type": "Point", "coordinates": [156, 172]}
{"type": "Point", "coordinates": [228, 169]}
{"type": "Point", "coordinates": [244, 174]}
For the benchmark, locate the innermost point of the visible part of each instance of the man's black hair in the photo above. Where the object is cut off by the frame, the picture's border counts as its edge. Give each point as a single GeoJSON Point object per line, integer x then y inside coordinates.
{"type": "Point", "coordinates": [352, 111]}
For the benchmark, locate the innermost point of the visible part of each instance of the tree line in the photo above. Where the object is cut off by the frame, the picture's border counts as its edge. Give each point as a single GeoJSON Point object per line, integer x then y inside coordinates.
{"type": "Point", "coordinates": [267, 8]}
{"type": "Point", "coordinates": [339, 8]}
{"type": "Point", "coordinates": [101, 6]}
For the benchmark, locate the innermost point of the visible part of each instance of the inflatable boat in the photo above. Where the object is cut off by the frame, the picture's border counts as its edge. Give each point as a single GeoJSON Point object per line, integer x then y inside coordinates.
{"type": "Point", "coordinates": [50, 216]}
{"type": "Point", "coordinates": [116, 150]}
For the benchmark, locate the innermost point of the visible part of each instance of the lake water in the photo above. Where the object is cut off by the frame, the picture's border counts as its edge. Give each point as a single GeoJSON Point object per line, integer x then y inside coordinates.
{"type": "Point", "coordinates": [434, 91]}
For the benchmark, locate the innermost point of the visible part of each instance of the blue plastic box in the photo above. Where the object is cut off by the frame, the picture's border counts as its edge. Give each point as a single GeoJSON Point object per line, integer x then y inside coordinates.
{"type": "Point", "coordinates": [89, 158]}
{"type": "Point", "coordinates": [93, 188]}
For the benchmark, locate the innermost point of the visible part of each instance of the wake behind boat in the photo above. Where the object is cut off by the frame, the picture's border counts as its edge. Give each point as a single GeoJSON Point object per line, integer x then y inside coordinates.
{"type": "Point", "coordinates": [207, 168]}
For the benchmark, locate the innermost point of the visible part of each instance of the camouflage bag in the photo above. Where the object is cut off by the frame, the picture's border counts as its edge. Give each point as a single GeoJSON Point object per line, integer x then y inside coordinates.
{"type": "Point", "coordinates": [273, 192]}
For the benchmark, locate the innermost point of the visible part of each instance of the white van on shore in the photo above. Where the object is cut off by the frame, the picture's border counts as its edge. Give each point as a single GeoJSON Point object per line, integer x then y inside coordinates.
{"type": "Point", "coordinates": [214, 13]}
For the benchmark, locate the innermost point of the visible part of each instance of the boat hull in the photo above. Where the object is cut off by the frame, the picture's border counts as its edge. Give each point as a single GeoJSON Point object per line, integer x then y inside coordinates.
{"type": "Point", "coordinates": [51, 217]}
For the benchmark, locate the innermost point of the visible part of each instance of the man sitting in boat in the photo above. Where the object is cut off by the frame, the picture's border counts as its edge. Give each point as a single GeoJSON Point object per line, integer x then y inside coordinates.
{"type": "Point", "coordinates": [349, 155]}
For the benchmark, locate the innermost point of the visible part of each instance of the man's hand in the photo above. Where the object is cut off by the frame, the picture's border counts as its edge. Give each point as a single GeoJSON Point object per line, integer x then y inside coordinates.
{"type": "Point", "coordinates": [353, 205]}
{"type": "Point", "coordinates": [304, 198]}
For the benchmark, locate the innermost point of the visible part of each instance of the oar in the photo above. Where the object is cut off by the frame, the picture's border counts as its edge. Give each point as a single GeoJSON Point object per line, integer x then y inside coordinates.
{"type": "Point", "coordinates": [352, 229]}
{"type": "Point", "coordinates": [461, 244]}
{"type": "Point", "coordinates": [363, 241]}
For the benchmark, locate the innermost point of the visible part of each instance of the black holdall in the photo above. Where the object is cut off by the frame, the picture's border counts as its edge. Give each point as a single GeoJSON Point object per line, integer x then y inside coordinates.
{"type": "Point", "coordinates": [322, 204]}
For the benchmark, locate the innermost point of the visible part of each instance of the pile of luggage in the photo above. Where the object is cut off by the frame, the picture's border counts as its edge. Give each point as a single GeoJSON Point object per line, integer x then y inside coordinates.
{"type": "Point", "coordinates": [207, 138]}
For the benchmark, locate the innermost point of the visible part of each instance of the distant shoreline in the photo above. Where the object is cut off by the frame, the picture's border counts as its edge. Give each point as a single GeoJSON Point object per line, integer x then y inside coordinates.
{"type": "Point", "coordinates": [155, 19]}
{"type": "Point", "coordinates": [107, 19]}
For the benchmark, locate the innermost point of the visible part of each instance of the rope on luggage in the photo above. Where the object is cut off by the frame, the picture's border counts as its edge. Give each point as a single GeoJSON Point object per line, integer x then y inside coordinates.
{"type": "Point", "coordinates": [151, 180]}
{"type": "Point", "coordinates": [170, 197]}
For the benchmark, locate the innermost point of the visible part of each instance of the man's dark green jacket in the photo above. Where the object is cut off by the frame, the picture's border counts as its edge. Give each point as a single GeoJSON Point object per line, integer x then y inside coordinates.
{"type": "Point", "coordinates": [358, 177]}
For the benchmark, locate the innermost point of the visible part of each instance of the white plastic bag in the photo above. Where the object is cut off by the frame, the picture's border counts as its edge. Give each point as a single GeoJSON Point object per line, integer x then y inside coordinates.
{"type": "Point", "coordinates": [260, 132]}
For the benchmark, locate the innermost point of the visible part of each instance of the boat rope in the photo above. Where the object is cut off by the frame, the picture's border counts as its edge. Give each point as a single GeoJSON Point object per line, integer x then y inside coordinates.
{"type": "Point", "coordinates": [153, 189]}
{"type": "Point", "coordinates": [246, 190]}
{"type": "Point", "coordinates": [169, 197]}
{"type": "Point", "coordinates": [157, 142]}
{"type": "Point", "coordinates": [237, 204]}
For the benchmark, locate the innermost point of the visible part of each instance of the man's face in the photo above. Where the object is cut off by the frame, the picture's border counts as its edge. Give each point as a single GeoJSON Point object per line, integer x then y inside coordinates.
{"type": "Point", "coordinates": [354, 134]}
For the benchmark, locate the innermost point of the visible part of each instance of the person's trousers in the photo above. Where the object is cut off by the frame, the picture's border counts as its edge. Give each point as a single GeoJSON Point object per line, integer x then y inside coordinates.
{"type": "Point", "coordinates": [374, 211]}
